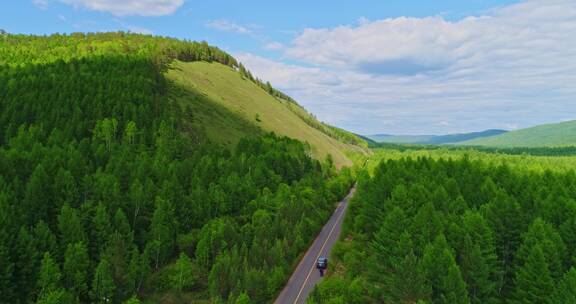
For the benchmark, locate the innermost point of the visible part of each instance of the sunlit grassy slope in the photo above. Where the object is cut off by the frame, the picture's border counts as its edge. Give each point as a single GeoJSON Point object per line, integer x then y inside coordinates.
{"type": "Point", "coordinates": [550, 135]}
{"type": "Point", "coordinates": [228, 107]}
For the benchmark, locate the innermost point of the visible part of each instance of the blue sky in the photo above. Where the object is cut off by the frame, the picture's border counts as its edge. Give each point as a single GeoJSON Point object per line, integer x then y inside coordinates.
{"type": "Point", "coordinates": [403, 67]}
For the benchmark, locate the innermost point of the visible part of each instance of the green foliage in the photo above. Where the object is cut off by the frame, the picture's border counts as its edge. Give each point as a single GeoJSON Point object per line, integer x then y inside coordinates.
{"type": "Point", "coordinates": [183, 275]}
{"type": "Point", "coordinates": [534, 284]}
{"type": "Point", "coordinates": [49, 277]}
{"type": "Point", "coordinates": [457, 229]}
{"type": "Point", "coordinates": [566, 289]}
{"type": "Point", "coordinates": [103, 285]}
{"type": "Point", "coordinates": [76, 267]}
{"type": "Point", "coordinates": [101, 173]}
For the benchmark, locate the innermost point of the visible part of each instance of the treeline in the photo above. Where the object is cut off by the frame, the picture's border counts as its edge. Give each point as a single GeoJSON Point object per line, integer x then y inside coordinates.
{"type": "Point", "coordinates": [532, 151]}
{"type": "Point", "coordinates": [457, 231]}
{"type": "Point", "coordinates": [106, 196]}
{"type": "Point", "coordinates": [334, 132]}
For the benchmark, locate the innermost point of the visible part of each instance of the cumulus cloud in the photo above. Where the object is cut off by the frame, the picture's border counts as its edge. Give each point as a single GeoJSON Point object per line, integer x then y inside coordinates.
{"type": "Point", "coordinates": [514, 66]}
{"type": "Point", "coordinates": [128, 7]}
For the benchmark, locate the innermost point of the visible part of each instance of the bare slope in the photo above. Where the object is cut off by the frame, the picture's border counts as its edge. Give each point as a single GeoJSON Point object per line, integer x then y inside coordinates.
{"type": "Point", "coordinates": [228, 107]}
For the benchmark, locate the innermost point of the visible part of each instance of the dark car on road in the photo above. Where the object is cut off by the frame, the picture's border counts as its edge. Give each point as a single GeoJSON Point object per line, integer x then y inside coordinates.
{"type": "Point", "coordinates": [322, 263]}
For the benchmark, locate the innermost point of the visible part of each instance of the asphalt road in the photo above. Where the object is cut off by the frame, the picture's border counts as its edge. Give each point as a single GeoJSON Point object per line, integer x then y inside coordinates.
{"type": "Point", "coordinates": [306, 275]}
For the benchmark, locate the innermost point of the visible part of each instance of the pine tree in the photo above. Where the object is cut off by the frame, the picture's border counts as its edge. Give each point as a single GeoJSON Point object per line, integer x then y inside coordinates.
{"type": "Point", "coordinates": [427, 225]}
{"type": "Point", "coordinates": [65, 189]}
{"type": "Point", "coordinates": [385, 241]}
{"type": "Point", "coordinates": [454, 287]}
{"type": "Point", "coordinates": [75, 270]}
{"type": "Point", "coordinates": [70, 227]}
{"type": "Point", "coordinates": [44, 239]}
{"type": "Point", "coordinates": [478, 260]}
{"type": "Point", "coordinates": [7, 287]}
{"type": "Point", "coordinates": [443, 273]}
{"type": "Point", "coordinates": [27, 264]}
{"type": "Point", "coordinates": [183, 273]}
{"type": "Point", "coordinates": [549, 239]}
{"type": "Point", "coordinates": [101, 229]}
{"type": "Point", "coordinates": [243, 298]}
{"type": "Point", "coordinates": [49, 276]}
{"type": "Point", "coordinates": [404, 282]}
{"type": "Point", "coordinates": [103, 285]}
{"type": "Point", "coordinates": [37, 200]}
{"type": "Point", "coordinates": [162, 232]}
{"type": "Point", "coordinates": [138, 270]}
{"type": "Point", "coordinates": [566, 289]}
{"type": "Point", "coordinates": [534, 283]}
{"type": "Point", "coordinates": [505, 218]}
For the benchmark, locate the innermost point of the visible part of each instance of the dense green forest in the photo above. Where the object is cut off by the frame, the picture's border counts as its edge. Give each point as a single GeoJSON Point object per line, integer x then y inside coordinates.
{"type": "Point", "coordinates": [424, 230]}
{"type": "Point", "coordinates": [539, 163]}
{"type": "Point", "coordinates": [107, 196]}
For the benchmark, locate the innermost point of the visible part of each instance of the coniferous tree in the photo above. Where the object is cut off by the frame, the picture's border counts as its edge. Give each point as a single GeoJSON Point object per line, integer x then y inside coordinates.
{"type": "Point", "coordinates": [26, 265]}
{"type": "Point", "coordinates": [103, 285]}
{"type": "Point", "coordinates": [162, 232]}
{"type": "Point", "coordinates": [565, 291]}
{"type": "Point", "coordinates": [183, 273]}
{"type": "Point", "coordinates": [37, 200]}
{"type": "Point", "coordinates": [545, 235]}
{"type": "Point", "coordinates": [442, 272]}
{"type": "Point", "coordinates": [76, 269]}
{"type": "Point", "coordinates": [49, 276]}
{"type": "Point", "coordinates": [70, 227]}
{"type": "Point", "coordinates": [404, 282]}
{"type": "Point", "coordinates": [101, 229]}
{"type": "Point", "coordinates": [534, 283]}
{"type": "Point", "coordinates": [454, 287]}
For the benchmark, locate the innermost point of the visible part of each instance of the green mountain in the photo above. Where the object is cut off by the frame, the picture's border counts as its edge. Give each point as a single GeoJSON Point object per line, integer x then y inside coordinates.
{"type": "Point", "coordinates": [549, 135]}
{"type": "Point", "coordinates": [229, 106]}
{"type": "Point", "coordinates": [399, 139]}
{"type": "Point", "coordinates": [144, 167]}
{"type": "Point", "coordinates": [433, 139]}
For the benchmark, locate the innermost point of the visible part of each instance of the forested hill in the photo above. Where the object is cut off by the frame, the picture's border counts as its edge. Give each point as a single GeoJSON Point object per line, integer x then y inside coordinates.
{"type": "Point", "coordinates": [550, 135]}
{"type": "Point", "coordinates": [115, 185]}
{"type": "Point", "coordinates": [229, 102]}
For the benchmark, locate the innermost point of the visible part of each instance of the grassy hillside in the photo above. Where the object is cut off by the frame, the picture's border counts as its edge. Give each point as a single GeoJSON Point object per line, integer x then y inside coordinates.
{"type": "Point", "coordinates": [229, 107]}
{"type": "Point", "coordinates": [550, 135]}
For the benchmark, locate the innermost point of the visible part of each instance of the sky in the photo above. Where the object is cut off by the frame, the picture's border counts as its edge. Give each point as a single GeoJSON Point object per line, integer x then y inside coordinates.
{"type": "Point", "coordinates": [371, 67]}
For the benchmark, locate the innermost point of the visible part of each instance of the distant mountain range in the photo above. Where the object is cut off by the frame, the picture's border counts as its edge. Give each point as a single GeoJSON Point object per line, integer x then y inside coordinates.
{"type": "Point", "coordinates": [549, 135]}
{"type": "Point", "coordinates": [433, 139]}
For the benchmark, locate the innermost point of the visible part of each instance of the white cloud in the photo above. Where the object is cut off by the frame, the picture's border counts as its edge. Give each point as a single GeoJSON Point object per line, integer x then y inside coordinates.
{"type": "Point", "coordinates": [404, 75]}
{"type": "Point", "coordinates": [228, 26]}
{"type": "Point", "coordinates": [274, 46]}
{"type": "Point", "coordinates": [128, 7]}
{"type": "Point", "coordinates": [41, 4]}
{"type": "Point", "coordinates": [62, 18]}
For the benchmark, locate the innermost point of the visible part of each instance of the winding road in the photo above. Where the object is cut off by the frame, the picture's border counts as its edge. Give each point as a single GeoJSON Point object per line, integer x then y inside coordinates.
{"type": "Point", "coordinates": [306, 275]}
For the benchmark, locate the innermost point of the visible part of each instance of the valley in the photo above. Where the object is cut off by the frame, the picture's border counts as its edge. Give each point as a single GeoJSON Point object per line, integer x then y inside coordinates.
{"type": "Point", "coordinates": [140, 168]}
